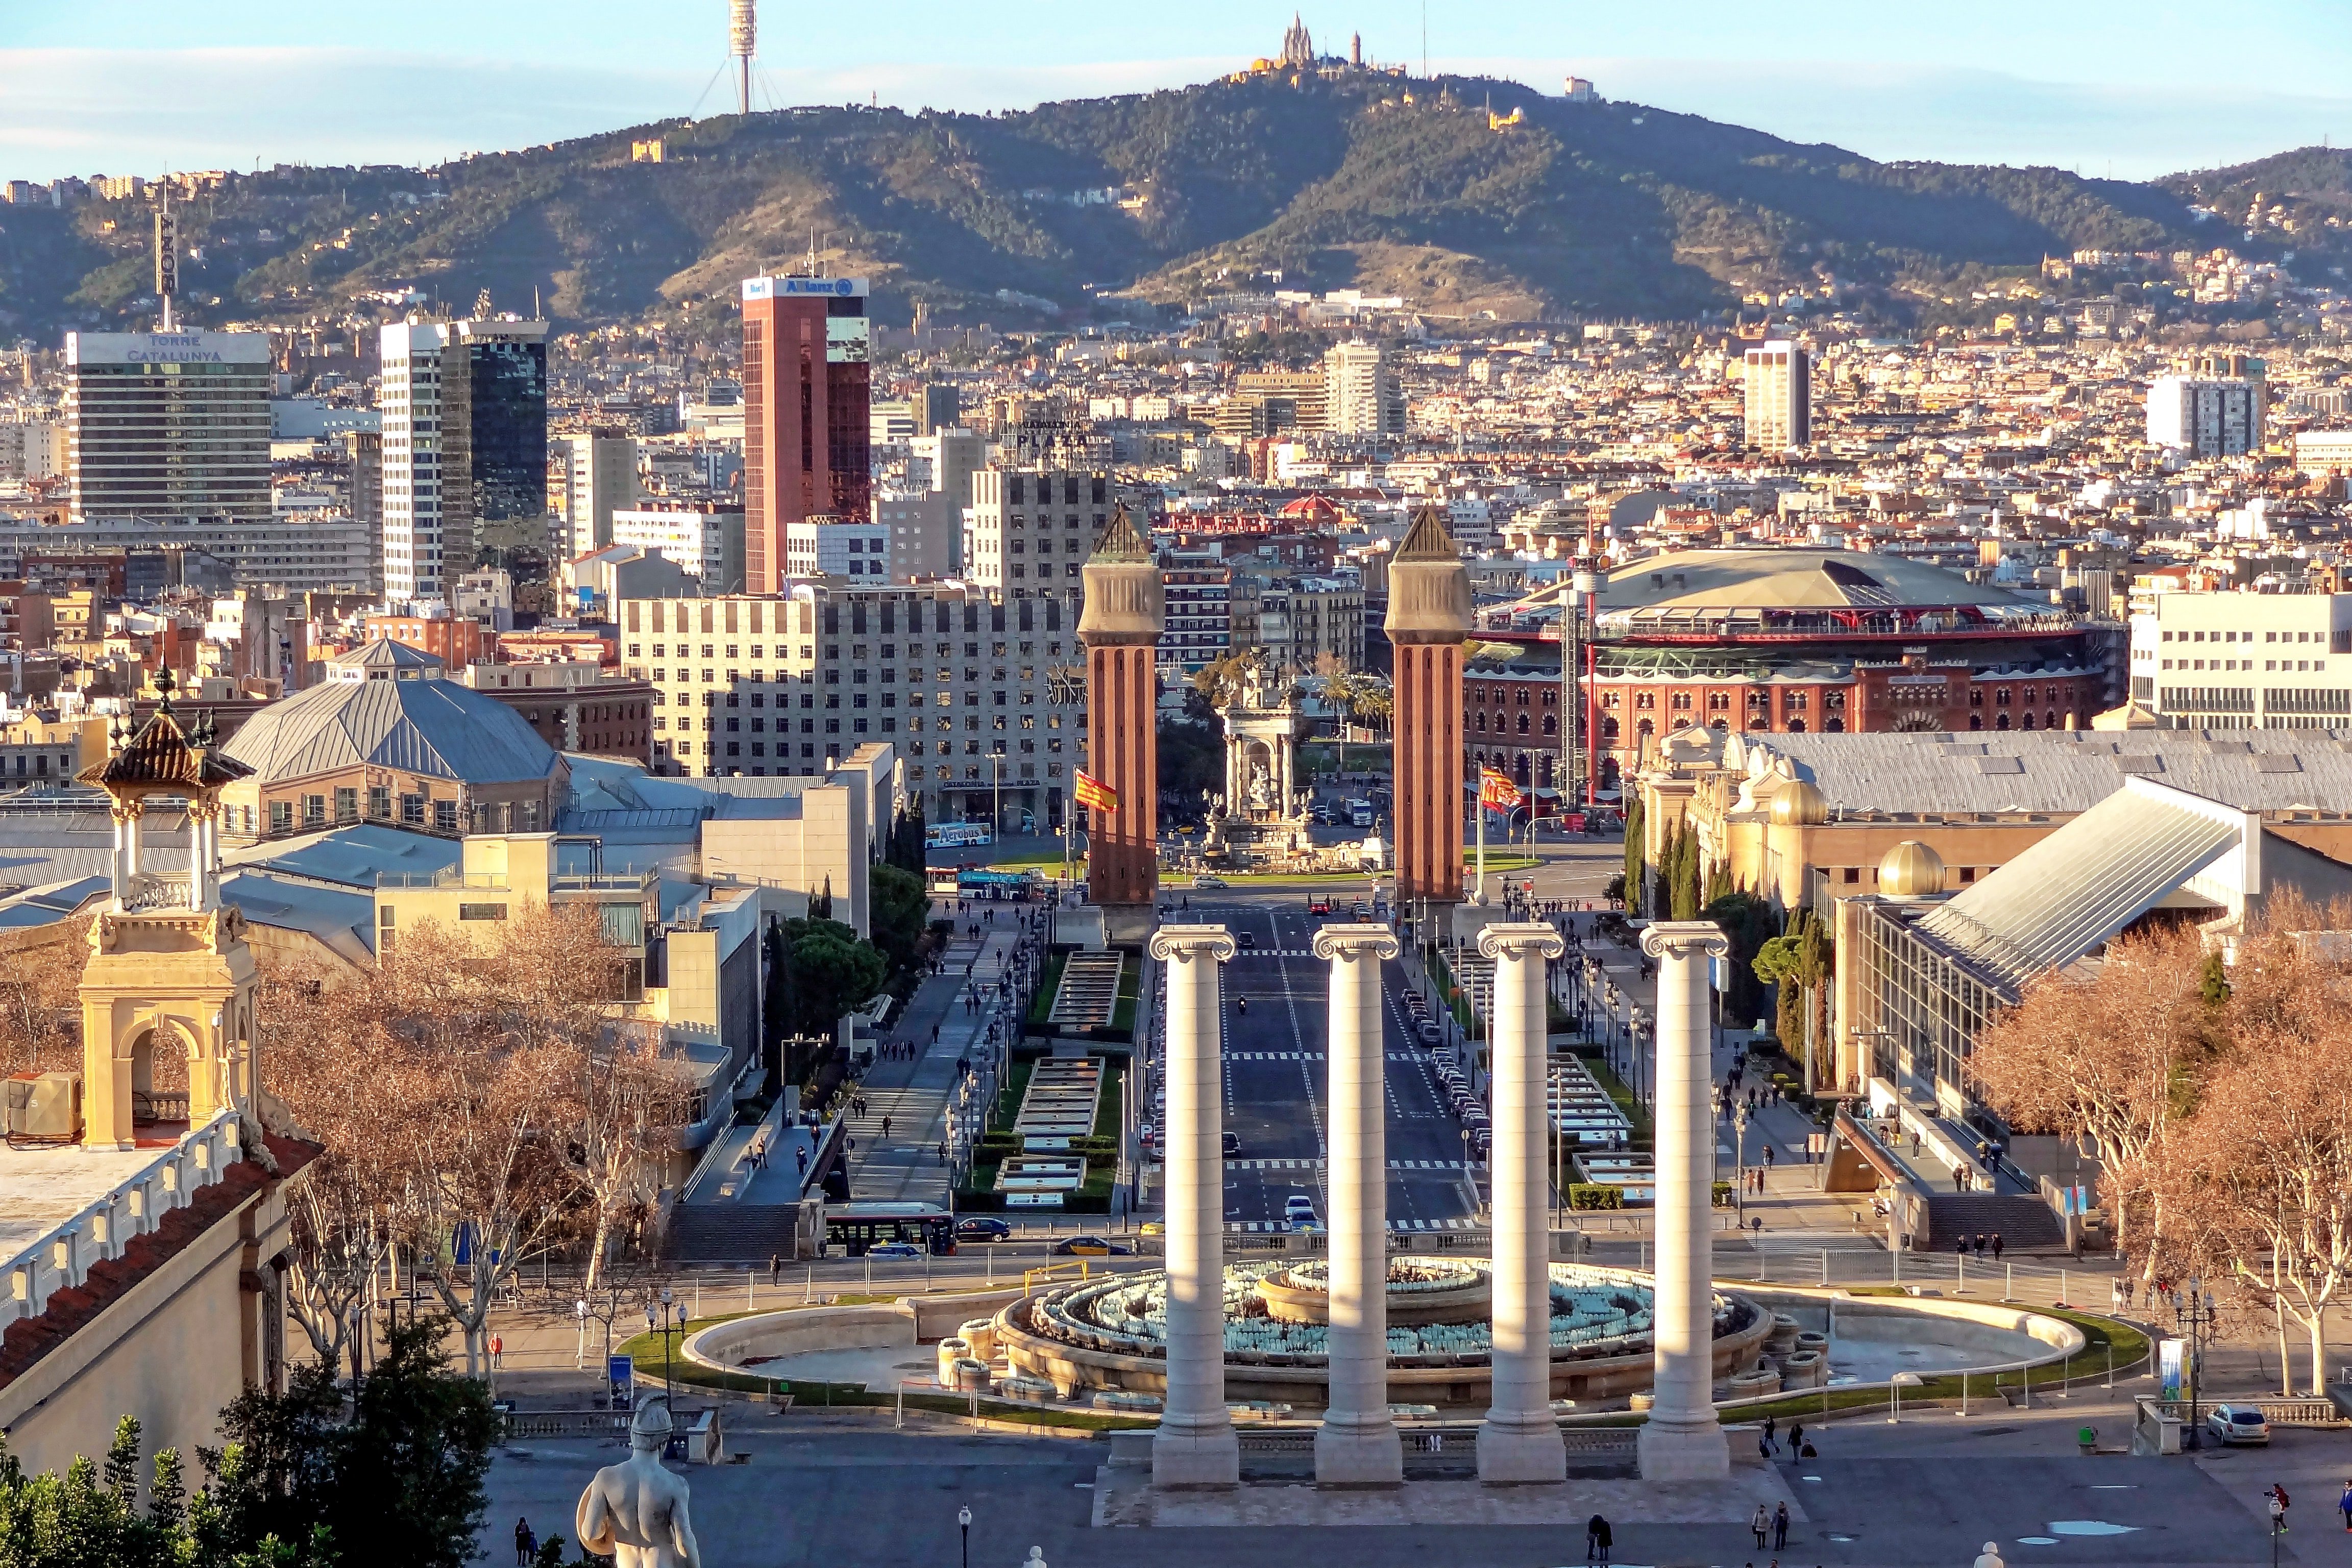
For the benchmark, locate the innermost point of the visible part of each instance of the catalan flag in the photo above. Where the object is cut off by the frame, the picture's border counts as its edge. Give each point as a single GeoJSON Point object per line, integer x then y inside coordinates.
{"type": "Point", "coordinates": [1093, 792]}
{"type": "Point", "coordinates": [1495, 791]}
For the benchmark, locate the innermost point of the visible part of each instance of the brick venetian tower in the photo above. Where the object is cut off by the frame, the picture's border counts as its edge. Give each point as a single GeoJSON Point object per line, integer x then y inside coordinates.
{"type": "Point", "coordinates": [1429, 617]}
{"type": "Point", "coordinates": [1126, 608]}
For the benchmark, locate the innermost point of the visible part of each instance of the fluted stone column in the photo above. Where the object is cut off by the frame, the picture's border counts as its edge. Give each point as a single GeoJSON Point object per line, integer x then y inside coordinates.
{"type": "Point", "coordinates": [1195, 1446]}
{"type": "Point", "coordinates": [1684, 1441]}
{"type": "Point", "coordinates": [1520, 1440]}
{"type": "Point", "coordinates": [1358, 1444]}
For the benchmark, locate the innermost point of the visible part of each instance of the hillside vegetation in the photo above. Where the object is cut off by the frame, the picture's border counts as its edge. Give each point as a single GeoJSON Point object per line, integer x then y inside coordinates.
{"type": "Point", "coordinates": [1604, 208]}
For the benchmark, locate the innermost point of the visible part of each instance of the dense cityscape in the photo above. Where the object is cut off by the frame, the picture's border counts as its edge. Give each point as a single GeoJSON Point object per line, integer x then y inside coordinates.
{"type": "Point", "coordinates": [1039, 908]}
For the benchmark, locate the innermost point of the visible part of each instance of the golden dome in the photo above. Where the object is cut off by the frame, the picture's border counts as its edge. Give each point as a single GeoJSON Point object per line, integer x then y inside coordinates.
{"type": "Point", "coordinates": [1911, 870]}
{"type": "Point", "coordinates": [1799, 803]}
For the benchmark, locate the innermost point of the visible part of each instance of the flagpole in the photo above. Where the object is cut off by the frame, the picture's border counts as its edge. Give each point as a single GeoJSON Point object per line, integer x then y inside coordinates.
{"type": "Point", "coordinates": [1482, 838]}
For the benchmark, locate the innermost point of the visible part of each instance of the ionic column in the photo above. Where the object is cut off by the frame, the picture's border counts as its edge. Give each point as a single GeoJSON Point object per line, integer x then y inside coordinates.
{"type": "Point", "coordinates": [1195, 1446]}
{"type": "Point", "coordinates": [1684, 1441]}
{"type": "Point", "coordinates": [1519, 1441]}
{"type": "Point", "coordinates": [1358, 1442]}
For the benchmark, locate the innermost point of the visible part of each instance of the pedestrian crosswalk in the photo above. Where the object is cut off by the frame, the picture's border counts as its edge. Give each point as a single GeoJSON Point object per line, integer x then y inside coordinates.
{"type": "Point", "coordinates": [1270, 1226]}
{"type": "Point", "coordinates": [1277, 1164]}
{"type": "Point", "coordinates": [1305, 1056]}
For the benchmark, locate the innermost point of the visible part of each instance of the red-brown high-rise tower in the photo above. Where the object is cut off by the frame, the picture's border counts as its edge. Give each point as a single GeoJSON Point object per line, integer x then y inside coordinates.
{"type": "Point", "coordinates": [1126, 608]}
{"type": "Point", "coordinates": [806, 414]}
{"type": "Point", "coordinates": [1429, 617]}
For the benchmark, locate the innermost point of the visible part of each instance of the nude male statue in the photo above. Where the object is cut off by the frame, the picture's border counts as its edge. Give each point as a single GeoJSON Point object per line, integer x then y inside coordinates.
{"type": "Point", "coordinates": [635, 1512]}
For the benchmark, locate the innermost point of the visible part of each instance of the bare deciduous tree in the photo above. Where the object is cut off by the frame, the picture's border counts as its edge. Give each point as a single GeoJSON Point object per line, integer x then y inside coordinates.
{"type": "Point", "coordinates": [2111, 1056]}
{"type": "Point", "coordinates": [2257, 1184]}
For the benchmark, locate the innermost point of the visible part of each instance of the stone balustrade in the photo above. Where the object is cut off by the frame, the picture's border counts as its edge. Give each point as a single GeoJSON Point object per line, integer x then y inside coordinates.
{"type": "Point", "coordinates": [62, 1258]}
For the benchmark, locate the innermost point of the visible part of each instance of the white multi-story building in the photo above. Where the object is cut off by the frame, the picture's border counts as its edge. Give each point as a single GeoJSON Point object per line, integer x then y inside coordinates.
{"type": "Point", "coordinates": [2241, 660]}
{"type": "Point", "coordinates": [1030, 529]}
{"type": "Point", "coordinates": [2206, 417]}
{"type": "Point", "coordinates": [977, 692]}
{"type": "Point", "coordinates": [1360, 396]}
{"type": "Point", "coordinates": [329, 554]}
{"type": "Point", "coordinates": [705, 540]}
{"type": "Point", "coordinates": [857, 553]}
{"type": "Point", "coordinates": [465, 442]}
{"type": "Point", "coordinates": [169, 425]}
{"type": "Point", "coordinates": [600, 477]}
{"type": "Point", "coordinates": [1780, 388]}
{"type": "Point", "coordinates": [35, 450]}
{"type": "Point", "coordinates": [954, 455]}
{"type": "Point", "coordinates": [923, 532]}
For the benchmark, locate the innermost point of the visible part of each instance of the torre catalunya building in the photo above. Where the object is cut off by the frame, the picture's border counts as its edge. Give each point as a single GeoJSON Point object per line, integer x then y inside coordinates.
{"type": "Point", "coordinates": [1359, 1444]}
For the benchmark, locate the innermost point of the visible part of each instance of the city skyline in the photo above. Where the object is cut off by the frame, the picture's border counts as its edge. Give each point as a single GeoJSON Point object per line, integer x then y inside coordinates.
{"type": "Point", "coordinates": [2105, 89]}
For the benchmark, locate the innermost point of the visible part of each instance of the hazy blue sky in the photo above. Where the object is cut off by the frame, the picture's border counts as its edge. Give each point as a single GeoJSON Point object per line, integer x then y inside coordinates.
{"type": "Point", "coordinates": [2138, 87]}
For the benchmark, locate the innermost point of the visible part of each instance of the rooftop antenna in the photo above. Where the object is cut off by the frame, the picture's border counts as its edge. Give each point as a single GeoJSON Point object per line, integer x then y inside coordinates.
{"type": "Point", "coordinates": [743, 38]}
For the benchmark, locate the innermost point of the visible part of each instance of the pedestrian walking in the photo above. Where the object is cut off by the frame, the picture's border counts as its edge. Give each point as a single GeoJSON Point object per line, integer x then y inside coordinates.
{"type": "Point", "coordinates": [1780, 1528]}
{"type": "Point", "coordinates": [1598, 1539]}
{"type": "Point", "coordinates": [1959, 1178]}
{"type": "Point", "coordinates": [1796, 1437]}
{"type": "Point", "coordinates": [1760, 1526]}
{"type": "Point", "coordinates": [497, 1350]}
{"type": "Point", "coordinates": [1996, 1247]}
{"type": "Point", "coordinates": [775, 1268]}
{"type": "Point", "coordinates": [1772, 1433]}
{"type": "Point", "coordinates": [522, 1543]}
{"type": "Point", "coordinates": [2277, 1495]}
{"type": "Point", "coordinates": [886, 1127]}
{"type": "Point", "coordinates": [1989, 1557]}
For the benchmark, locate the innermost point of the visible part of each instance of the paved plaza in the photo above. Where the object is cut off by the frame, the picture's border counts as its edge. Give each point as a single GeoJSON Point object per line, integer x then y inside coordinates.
{"type": "Point", "coordinates": [846, 1490]}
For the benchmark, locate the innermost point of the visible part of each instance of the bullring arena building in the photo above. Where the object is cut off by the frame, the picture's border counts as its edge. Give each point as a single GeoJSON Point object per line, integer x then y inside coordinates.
{"type": "Point", "coordinates": [1824, 641]}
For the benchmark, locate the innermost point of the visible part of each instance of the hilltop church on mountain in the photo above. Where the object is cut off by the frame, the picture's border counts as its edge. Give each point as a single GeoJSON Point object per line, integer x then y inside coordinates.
{"type": "Point", "coordinates": [1299, 57]}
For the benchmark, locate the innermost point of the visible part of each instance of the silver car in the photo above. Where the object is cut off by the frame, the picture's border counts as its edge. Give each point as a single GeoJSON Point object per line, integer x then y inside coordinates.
{"type": "Point", "coordinates": [2237, 1423]}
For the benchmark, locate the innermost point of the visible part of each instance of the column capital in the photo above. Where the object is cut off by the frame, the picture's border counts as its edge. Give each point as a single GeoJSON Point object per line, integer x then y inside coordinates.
{"type": "Point", "coordinates": [1694, 939]}
{"type": "Point", "coordinates": [1520, 938]}
{"type": "Point", "coordinates": [1187, 943]}
{"type": "Point", "coordinates": [1355, 942]}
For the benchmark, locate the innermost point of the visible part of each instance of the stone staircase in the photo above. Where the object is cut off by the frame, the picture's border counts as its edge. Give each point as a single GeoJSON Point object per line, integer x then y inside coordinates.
{"type": "Point", "coordinates": [2025, 1224]}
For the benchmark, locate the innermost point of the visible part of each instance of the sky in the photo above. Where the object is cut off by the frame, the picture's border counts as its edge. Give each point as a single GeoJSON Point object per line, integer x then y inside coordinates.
{"type": "Point", "coordinates": [2131, 89]}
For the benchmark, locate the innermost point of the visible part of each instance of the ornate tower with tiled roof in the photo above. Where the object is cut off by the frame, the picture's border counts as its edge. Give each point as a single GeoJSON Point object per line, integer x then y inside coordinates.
{"type": "Point", "coordinates": [1125, 609]}
{"type": "Point", "coordinates": [1429, 617]}
{"type": "Point", "coordinates": [169, 978]}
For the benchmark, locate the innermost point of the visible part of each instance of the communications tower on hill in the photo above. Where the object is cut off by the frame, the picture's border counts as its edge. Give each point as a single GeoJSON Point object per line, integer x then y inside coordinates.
{"type": "Point", "coordinates": [742, 36]}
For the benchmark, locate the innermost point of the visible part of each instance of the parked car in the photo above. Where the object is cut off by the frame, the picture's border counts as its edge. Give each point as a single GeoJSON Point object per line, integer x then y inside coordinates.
{"type": "Point", "coordinates": [894, 1249]}
{"type": "Point", "coordinates": [1233, 1145]}
{"type": "Point", "coordinates": [2238, 1424]}
{"type": "Point", "coordinates": [1247, 940]}
{"type": "Point", "coordinates": [1091, 1247]}
{"type": "Point", "coordinates": [983, 1227]}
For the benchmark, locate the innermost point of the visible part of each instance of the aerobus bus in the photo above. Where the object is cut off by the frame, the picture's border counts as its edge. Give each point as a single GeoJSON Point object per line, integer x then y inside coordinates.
{"type": "Point", "coordinates": [854, 1227]}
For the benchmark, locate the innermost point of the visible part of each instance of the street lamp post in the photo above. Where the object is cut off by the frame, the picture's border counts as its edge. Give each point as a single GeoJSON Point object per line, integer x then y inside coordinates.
{"type": "Point", "coordinates": [1740, 1154]}
{"type": "Point", "coordinates": [963, 1518]}
{"type": "Point", "coordinates": [580, 1342]}
{"type": "Point", "coordinates": [2197, 1316]}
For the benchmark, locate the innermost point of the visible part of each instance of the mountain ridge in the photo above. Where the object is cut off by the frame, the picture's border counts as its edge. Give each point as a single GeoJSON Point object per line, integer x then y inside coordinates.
{"type": "Point", "coordinates": [1465, 194]}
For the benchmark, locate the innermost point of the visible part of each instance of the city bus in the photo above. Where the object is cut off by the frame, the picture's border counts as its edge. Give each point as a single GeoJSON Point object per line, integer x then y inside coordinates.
{"type": "Point", "coordinates": [852, 1227]}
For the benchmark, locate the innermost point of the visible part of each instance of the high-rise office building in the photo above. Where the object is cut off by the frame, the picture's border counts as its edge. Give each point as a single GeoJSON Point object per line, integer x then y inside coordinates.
{"type": "Point", "coordinates": [2206, 417]}
{"type": "Point", "coordinates": [1359, 392]}
{"type": "Point", "coordinates": [599, 473]}
{"type": "Point", "coordinates": [806, 411]}
{"type": "Point", "coordinates": [1780, 385]}
{"type": "Point", "coordinates": [168, 425]}
{"type": "Point", "coordinates": [465, 443]}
